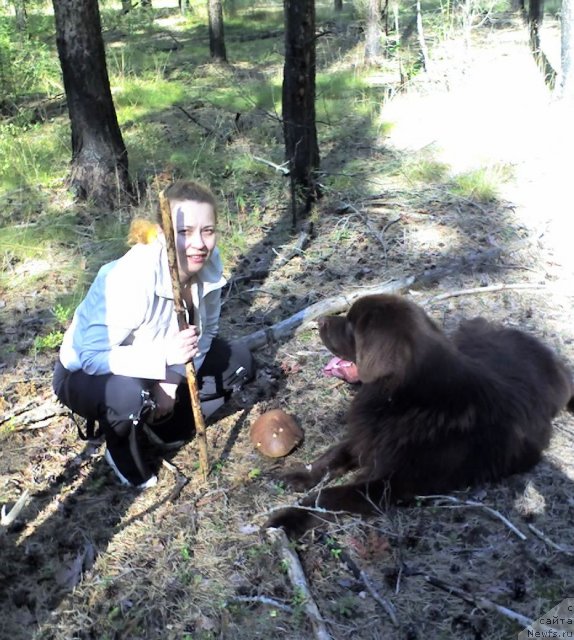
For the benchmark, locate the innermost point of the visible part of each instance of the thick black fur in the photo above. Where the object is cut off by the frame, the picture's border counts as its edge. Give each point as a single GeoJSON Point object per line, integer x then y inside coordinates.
{"type": "Point", "coordinates": [432, 414]}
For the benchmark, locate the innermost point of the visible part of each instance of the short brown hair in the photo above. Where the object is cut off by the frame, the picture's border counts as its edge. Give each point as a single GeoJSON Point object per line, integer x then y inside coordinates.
{"type": "Point", "coordinates": [182, 190]}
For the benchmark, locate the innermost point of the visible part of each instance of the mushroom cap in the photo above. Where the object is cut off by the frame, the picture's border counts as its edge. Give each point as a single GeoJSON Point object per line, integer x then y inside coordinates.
{"type": "Point", "coordinates": [275, 433]}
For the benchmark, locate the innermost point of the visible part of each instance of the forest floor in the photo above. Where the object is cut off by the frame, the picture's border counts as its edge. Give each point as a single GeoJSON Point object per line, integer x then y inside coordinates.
{"type": "Point", "coordinates": [86, 558]}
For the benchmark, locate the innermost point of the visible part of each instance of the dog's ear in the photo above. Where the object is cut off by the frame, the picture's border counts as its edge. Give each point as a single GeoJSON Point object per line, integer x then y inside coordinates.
{"type": "Point", "coordinates": [383, 350]}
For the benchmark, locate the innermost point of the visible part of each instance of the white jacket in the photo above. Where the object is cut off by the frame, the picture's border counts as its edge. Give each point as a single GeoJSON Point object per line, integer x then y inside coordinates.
{"type": "Point", "coordinates": [122, 324]}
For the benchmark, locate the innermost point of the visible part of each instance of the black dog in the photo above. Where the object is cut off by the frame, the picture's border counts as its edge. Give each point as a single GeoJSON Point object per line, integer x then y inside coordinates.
{"type": "Point", "coordinates": [433, 414]}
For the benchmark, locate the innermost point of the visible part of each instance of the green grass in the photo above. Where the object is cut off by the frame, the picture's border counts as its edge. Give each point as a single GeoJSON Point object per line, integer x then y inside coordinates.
{"type": "Point", "coordinates": [32, 155]}
{"type": "Point", "coordinates": [424, 169]}
{"type": "Point", "coordinates": [481, 185]}
{"type": "Point", "coordinates": [178, 114]}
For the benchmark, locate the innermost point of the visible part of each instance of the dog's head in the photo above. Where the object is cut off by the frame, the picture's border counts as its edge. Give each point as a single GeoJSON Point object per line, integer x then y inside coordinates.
{"type": "Point", "coordinates": [385, 335]}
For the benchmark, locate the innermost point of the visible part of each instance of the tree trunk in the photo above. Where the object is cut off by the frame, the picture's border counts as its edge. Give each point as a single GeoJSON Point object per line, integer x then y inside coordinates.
{"type": "Point", "coordinates": [99, 168]}
{"type": "Point", "coordinates": [374, 32]}
{"type": "Point", "coordinates": [21, 15]}
{"type": "Point", "coordinates": [421, 38]}
{"type": "Point", "coordinates": [338, 5]}
{"type": "Point", "coordinates": [299, 128]}
{"type": "Point", "coordinates": [566, 88]}
{"type": "Point", "coordinates": [216, 36]}
{"type": "Point", "coordinates": [535, 15]}
{"type": "Point", "coordinates": [231, 8]}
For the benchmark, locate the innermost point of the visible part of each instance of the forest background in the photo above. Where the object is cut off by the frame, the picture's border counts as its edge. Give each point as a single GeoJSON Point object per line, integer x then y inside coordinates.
{"type": "Point", "coordinates": [444, 132]}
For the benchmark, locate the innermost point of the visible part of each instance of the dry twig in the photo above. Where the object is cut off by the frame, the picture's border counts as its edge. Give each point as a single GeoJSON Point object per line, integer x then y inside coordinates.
{"type": "Point", "coordinates": [32, 413]}
{"type": "Point", "coordinates": [489, 289]}
{"type": "Point", "coordinates": [549, 542]}
{"type": "Point", "coordinates": [362, 576]}
{"type": "Point", "coordinates": [180, 480]}
{"type": "Point", "coordinates": [271, 602]}
{"type": "Point", "coordinates": [471, 503]}
{"type": "Point", "coordinates": [280, 168]}
{"type": "Point", "coordinates": [477, 601]}
{"type": "Point", "coordinates": [7, 518]}
{"type": "Point", "coordinates": [299, 581]}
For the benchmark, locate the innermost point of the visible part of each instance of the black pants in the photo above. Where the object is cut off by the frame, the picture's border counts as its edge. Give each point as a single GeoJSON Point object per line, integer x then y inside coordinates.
{"type": "Point", "coordinates": [112, 400]}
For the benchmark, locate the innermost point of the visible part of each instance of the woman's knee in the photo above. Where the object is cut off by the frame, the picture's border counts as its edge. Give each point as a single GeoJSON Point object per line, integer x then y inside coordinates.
{"type": "Point", "coordinates": [125, 397]}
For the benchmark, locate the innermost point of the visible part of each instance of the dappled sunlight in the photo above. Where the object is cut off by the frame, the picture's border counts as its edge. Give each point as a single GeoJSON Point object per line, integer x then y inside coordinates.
{"type": "Point", "coordinates": [496, 115]}
{"type": "Point", "coordinates": [436, 238]}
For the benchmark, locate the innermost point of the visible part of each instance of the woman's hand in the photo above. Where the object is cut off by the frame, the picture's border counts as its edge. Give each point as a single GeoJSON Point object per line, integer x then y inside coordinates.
{"type": "Point", "coordinates": [182, 347]}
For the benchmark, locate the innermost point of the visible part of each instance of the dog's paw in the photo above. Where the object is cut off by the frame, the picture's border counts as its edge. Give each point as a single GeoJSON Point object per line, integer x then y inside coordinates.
{"type": "Point", "coordinates": [298, 478]}
{"type": "Point", "coordinates": [292, 520]}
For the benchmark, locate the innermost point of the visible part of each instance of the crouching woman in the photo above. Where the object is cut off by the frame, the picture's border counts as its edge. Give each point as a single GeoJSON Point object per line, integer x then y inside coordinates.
{"type": "Point", "coordinates": [122, 360]}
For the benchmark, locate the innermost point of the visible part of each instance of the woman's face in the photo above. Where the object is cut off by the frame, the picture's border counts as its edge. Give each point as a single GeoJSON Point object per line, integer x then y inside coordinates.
{"type": "Point", "coordinates": [195, 237]}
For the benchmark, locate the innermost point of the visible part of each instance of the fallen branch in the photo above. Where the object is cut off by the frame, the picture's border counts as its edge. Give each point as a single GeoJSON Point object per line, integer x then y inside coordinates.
{"type": "Point", "coordinates": [33, 413]}
{"type": "Point", "coordinates": [471, 503]}
{"type": "Point", "coordinates": [280, 168]}
{"type": "Point", "coordinates": [299, 581]}
{"type": "Point", "coordinates": [301, 319]}
{"type": "Point", "coordinates": [7, 518]}
{"type": "Point", "coordinates": [208, 130]}
{"type": "Point", "coordinates": [339, 303]}
{"type": "Point", "coordinates": [297, 250]}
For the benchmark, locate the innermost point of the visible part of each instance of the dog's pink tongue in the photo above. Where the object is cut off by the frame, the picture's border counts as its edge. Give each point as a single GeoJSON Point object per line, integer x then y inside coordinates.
{"type": "Point", "coordinates": [343, 369]}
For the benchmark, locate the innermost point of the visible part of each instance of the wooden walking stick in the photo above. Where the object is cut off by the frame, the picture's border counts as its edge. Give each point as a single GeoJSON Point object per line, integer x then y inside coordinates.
{"type": "Point", "coordinates": [168, 231]}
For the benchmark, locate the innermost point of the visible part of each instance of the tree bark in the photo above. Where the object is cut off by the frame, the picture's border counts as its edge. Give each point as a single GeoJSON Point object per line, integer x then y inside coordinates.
{"type": "Point", "coordinates": [99, 167]}
{"type": "Point", "coordinates": [216, 35]}
{"type": "Point", "coordinates": [374, 32]}
{"type": "Point", "coordinates": [21, 15]}
{"type": "Point", "coordinates": [535, 15]}
{"type": "Point", "coordinates": [299, 127]}
{"type": "Point", "coordinates": [338, 5]}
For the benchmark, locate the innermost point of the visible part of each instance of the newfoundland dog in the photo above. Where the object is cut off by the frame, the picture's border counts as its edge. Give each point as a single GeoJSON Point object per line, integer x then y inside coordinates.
{"type": "Point", "coordinates": [433, 413]}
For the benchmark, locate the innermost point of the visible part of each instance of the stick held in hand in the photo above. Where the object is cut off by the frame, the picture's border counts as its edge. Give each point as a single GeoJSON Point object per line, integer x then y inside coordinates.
{"type": "Point", "coordinates": [168, 231]}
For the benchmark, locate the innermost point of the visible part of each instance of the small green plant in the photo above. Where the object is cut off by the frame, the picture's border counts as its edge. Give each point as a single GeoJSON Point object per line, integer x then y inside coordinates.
{"type": "Point", "coordinates": [254, 473]}
{"type": "Point", "coordinates": [218, 467]}
{"type": "Point", "coordinates": [345, 606]}
{"type": "Point", "coordinates": [7, 428]}
{"type": "Point", "coordinates": [62, 313]}
{"type": "Point", "coordinates": [299, 598]}
{"type": "Point", "coordinates": [48, 342]}
{"type": "Point", "coordinates": [279, 488]}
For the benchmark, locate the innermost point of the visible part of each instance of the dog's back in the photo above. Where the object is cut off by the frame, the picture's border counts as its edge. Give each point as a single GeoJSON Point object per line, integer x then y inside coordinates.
{"type": "Point", "coordinates": [520, 360]}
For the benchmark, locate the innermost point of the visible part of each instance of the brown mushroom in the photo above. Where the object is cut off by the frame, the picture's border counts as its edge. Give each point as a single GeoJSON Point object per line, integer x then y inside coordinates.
{"type": "Point", "coordinates": [275, 433]}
